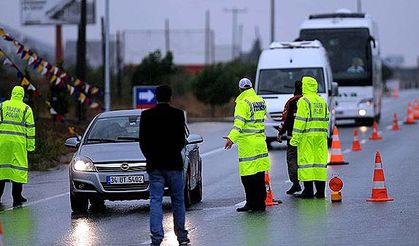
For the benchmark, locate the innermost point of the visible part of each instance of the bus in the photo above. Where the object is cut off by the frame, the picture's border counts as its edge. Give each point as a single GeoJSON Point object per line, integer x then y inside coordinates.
{"type": "Point", "coordinates": [351, 42]}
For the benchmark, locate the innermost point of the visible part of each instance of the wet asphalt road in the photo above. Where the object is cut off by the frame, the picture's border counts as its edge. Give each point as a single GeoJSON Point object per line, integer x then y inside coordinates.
{"type": "Point", "coordinates": [47, 220]}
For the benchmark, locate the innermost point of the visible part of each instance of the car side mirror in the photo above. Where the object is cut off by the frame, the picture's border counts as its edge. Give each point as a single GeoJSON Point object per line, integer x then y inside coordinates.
{"type": "Point", "coordinates": [72, 142]}
{"type": "Point", "coordinates": [335, 89]}
{"type": "Point", "coordinates": [372, 40]}
{"type": "Point", "coordinates": [194, 139]}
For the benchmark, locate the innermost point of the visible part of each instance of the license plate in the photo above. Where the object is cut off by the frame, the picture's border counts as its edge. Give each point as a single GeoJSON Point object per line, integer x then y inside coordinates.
{"type": "Point", "coordinates": [136, 179]}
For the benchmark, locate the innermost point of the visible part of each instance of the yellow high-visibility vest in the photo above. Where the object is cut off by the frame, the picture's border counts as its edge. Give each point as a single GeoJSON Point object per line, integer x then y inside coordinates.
{"type": "Point", "coordinates": [17, 136]}
{"type": "Point", "coordinates": [310, 133]}
{"type": "Point", "coordinates": [249, 133]}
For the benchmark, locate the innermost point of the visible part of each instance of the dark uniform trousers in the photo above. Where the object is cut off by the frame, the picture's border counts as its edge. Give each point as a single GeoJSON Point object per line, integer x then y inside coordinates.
{"type": "Point", "coordinates": [16, 190]}
{"type": "Point", "coordinates": [254, 187]}
{"type": "Point", "coordinates": [292, 163]}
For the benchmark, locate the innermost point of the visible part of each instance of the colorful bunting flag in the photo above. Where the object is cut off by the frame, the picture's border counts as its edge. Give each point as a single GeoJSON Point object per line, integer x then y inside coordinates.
{"type": "Point", "coordinates": [25, 82]}
{"type": "Point", "coordinates": [7, 62]}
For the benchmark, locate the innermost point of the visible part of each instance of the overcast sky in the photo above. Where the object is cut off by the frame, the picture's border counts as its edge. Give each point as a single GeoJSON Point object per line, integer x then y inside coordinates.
{"type": "Point", "coordinates": [397, 20]}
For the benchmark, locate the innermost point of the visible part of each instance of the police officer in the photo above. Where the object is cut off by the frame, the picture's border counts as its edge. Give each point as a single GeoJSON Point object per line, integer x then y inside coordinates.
{"type": "Point", "coordinates": [17, 136]}
{"type": "Point", "coordinates": [249, 134]}
{"type": "Point", "coordinates": [309, 135]}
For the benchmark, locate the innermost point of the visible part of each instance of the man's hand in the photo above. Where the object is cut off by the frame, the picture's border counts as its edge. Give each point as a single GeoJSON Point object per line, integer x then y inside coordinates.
{"type": "Point", "coordinates": [228, 143]}
{"type": "Point", "coordinates": [279, 138]}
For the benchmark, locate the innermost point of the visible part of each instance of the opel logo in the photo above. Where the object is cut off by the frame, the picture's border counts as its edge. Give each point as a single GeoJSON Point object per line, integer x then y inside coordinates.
{"type": "Point", "coordinates": [125, 166]}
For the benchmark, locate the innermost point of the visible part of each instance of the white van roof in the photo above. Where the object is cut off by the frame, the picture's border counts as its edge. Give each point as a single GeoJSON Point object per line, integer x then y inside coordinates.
{"type": "Point", "coordinates": [292, 45]}
{"type": "Point", "coordinates": [293, 55]}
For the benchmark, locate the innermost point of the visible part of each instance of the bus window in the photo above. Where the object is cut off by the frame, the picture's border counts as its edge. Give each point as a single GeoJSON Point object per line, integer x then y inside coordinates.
{"type": "Point", "coordinates": [349, 53]}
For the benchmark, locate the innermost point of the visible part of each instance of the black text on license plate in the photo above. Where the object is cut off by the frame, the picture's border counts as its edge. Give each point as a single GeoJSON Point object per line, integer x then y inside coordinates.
{"type": "Point", "coordinates": [133, 179]}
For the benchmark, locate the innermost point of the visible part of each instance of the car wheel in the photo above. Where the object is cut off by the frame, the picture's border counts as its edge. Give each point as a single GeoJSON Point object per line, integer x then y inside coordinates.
{"type": "Point", "coordinates": [188, 201]}
{"type": "Point", "coordinates": [196, 194]}
{"type": "Point", "coordinates": [78, 203]}
{"type": "Point", "coordinates": [97, 204]}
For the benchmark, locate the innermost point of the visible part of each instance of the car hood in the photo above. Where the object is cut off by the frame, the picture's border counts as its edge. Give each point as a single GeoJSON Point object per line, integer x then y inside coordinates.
{"type": "Point", "coordinates": [112, 152]}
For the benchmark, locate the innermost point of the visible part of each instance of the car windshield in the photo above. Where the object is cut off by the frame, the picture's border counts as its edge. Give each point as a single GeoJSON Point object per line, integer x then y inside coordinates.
{"type": "Point", "coordinates": [281, 81]}
{"type": "Point", "coordinates": [349, 53]}
{"type": "Point", "coordinates": [115, 129]}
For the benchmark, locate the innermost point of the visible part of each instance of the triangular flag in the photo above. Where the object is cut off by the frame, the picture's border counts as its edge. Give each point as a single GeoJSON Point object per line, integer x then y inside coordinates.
{"type": "Point", "coordinates": [53, 78]}
{"type": "Point", "coordinates": [44, 70]}
{"type": "Point", "coordinates": [25, 82]}
{"type": "Point", "coordinates": [19, 50]}
{"type": "Point", "coordinates": [23, 54]}
{"type": "Point", "coordinates": [94, 90]}
{"type": "Point", "coordinates": [2, 32]}
{"type": "Point", "coordinates": [71, 90]}
{"type": "Point", "coordinates": [82, 97]}
{"type": "Point", "coordinates": [31, 88]}
{"type": "Point", "coordinates": [86, 90]}
{"type": "Point", "coordinates": [94, 105]}
{"type": "Point", "coordinates": [26, 58]}
{"type": "Point", "coordinates": [52, 111]}
{"type": "Point", "coordinates": [77, 82]}
{"type": "Point", "coordinates": [39, 68]}
{"type": "Point", "coordinates": [7, 62]}
{"type": "Point", "coordinates": [1, 54]}
{"type": "Point", "coordinates": [31, 60]}
{"type": "Point", "coordinates": [58, 80]}
{"type": "Point", "coordinates": [55, 70]}
{"type": "Point", "coordinates": [19, 74]}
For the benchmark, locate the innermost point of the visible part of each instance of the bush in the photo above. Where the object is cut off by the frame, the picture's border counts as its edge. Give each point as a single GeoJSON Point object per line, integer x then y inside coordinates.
{"type": "Point", "coordinates": [217, 84]}
{"type": "Point", "coordinates": [49, 142]}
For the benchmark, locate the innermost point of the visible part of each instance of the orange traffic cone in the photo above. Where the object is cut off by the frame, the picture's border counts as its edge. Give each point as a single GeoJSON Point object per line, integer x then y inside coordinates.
{"type": "Point", "coordinates": [416, 110]}
{"type": "Point", "coordinates": [410, 116]}
{"type": "Point", "coordinates": [336, 156]}
{"type": "Point", "coordinates": [269, 201]}
{"type": "Point", "coordinates": [379, 189]}
{"type": "Point", "coordinates": [396, 93]}
{"type": "Point", "coordinates": [375, 135]}
{"type": "Point", "coordinates": [356, 146]}
{"type": "Point", "coordinates": [395, 126]}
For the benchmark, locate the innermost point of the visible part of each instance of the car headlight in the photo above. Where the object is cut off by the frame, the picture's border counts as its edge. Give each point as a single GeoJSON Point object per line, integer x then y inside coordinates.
{"type": "Point", "coordinates": [365, 102]}
{"type": "Point", "coordinates": [83, 165]}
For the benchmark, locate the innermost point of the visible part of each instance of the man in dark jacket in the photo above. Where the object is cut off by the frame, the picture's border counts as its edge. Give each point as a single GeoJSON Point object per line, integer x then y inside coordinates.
{"type": "Point", "coordinates": [288, 117]}
{"type": "Point", "coordinates": [162, 138]}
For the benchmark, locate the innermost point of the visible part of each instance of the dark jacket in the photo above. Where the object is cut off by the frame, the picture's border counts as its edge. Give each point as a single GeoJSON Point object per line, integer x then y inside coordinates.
{"type": "Point", "coordinates": [162, 137]}
{"type": "Point", "coordinates": [288, 115]}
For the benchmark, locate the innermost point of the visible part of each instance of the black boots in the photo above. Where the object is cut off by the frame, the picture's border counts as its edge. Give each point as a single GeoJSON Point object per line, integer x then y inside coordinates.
{"type": "Point", "coordinates": [294, 188]}
{"type": "Point", "coordinates": [308, 190]}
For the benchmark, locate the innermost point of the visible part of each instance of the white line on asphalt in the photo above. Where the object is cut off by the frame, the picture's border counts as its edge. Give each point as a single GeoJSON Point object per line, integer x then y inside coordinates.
{"type": "Point", "coordinates": [67, 193]}
{"type": "Point", "coordinates": [41, 200]}
{"type": "Point", "coordinates": [240, 204]}
{"type": "Point", "coordinates": [212, 152]}
{"type": "Point", "coordinates": [364, 141]}
{"type": "Point", "coordinates": [346, 151]}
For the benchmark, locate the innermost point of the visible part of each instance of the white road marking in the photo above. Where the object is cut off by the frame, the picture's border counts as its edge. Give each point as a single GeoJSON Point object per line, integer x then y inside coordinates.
{"type": "Point", "coordinates": [41, 200]}
{"type": "Point", "coordinates": [240, 204]}
{"type": "Point", "coordinates": [212, 152]}
{"type": "Point", "coordinates": [67, 193]}
{"type": "Point", "coordinates": [346, 151]}
{"type": "Point", "coordinates": [363, 141]}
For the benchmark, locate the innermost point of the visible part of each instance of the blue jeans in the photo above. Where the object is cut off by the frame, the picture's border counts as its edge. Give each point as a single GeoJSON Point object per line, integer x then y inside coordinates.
{"type": "Point", "coordinates": [175, 181]}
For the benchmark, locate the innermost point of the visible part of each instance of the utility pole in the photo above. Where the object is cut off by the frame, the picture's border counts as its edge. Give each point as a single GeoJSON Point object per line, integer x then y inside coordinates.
{"type": "Point", "coordinates": [167, 34]}
{"type": "Point", "coordinates": [119, 64]}
{"type": "Point", "coordinates": [234, 12]}
{"type": "Point", "coordinates": [207, 37]}
{"type": "Point", "coordinates": [58, 45]}
{"type": "Point", "coordinates": [272, 21]}
{"type": "Point", "coordinates": [359, 6]}
{"type": "Point", "coordinates": [81, 52]}
{"type": "Point", "coordinates": [107, 60]}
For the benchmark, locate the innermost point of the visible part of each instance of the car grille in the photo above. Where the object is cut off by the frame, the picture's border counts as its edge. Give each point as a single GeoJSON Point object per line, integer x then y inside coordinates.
{"type": "Point", "coordinates": [125, 187]}
{"type": "Point", "coordinates": [276, 116]}
{"type": "Point", "coordinates": [116, 167]}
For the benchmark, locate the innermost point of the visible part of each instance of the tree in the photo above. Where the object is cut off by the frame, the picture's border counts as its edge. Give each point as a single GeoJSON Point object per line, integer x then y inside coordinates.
{"type": "Point", "coordinates": [154, 69]}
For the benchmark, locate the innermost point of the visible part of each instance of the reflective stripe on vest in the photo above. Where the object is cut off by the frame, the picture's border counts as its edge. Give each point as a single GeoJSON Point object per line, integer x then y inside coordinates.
{"type": "Point", "coordinates": [248, 121]}
{"type": "Point", "coordinates": [311, 119]}
{"type": "Point", "coordinates": [312, 165]}
{"type": "Point", "coordinates": [17, 134]}
{"type": "Point", "coordinates": [310, 130]}
{"type": "Point", "coordinates": [252, 158]}
{"type": "Point", "coordinates": [14, 167]}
